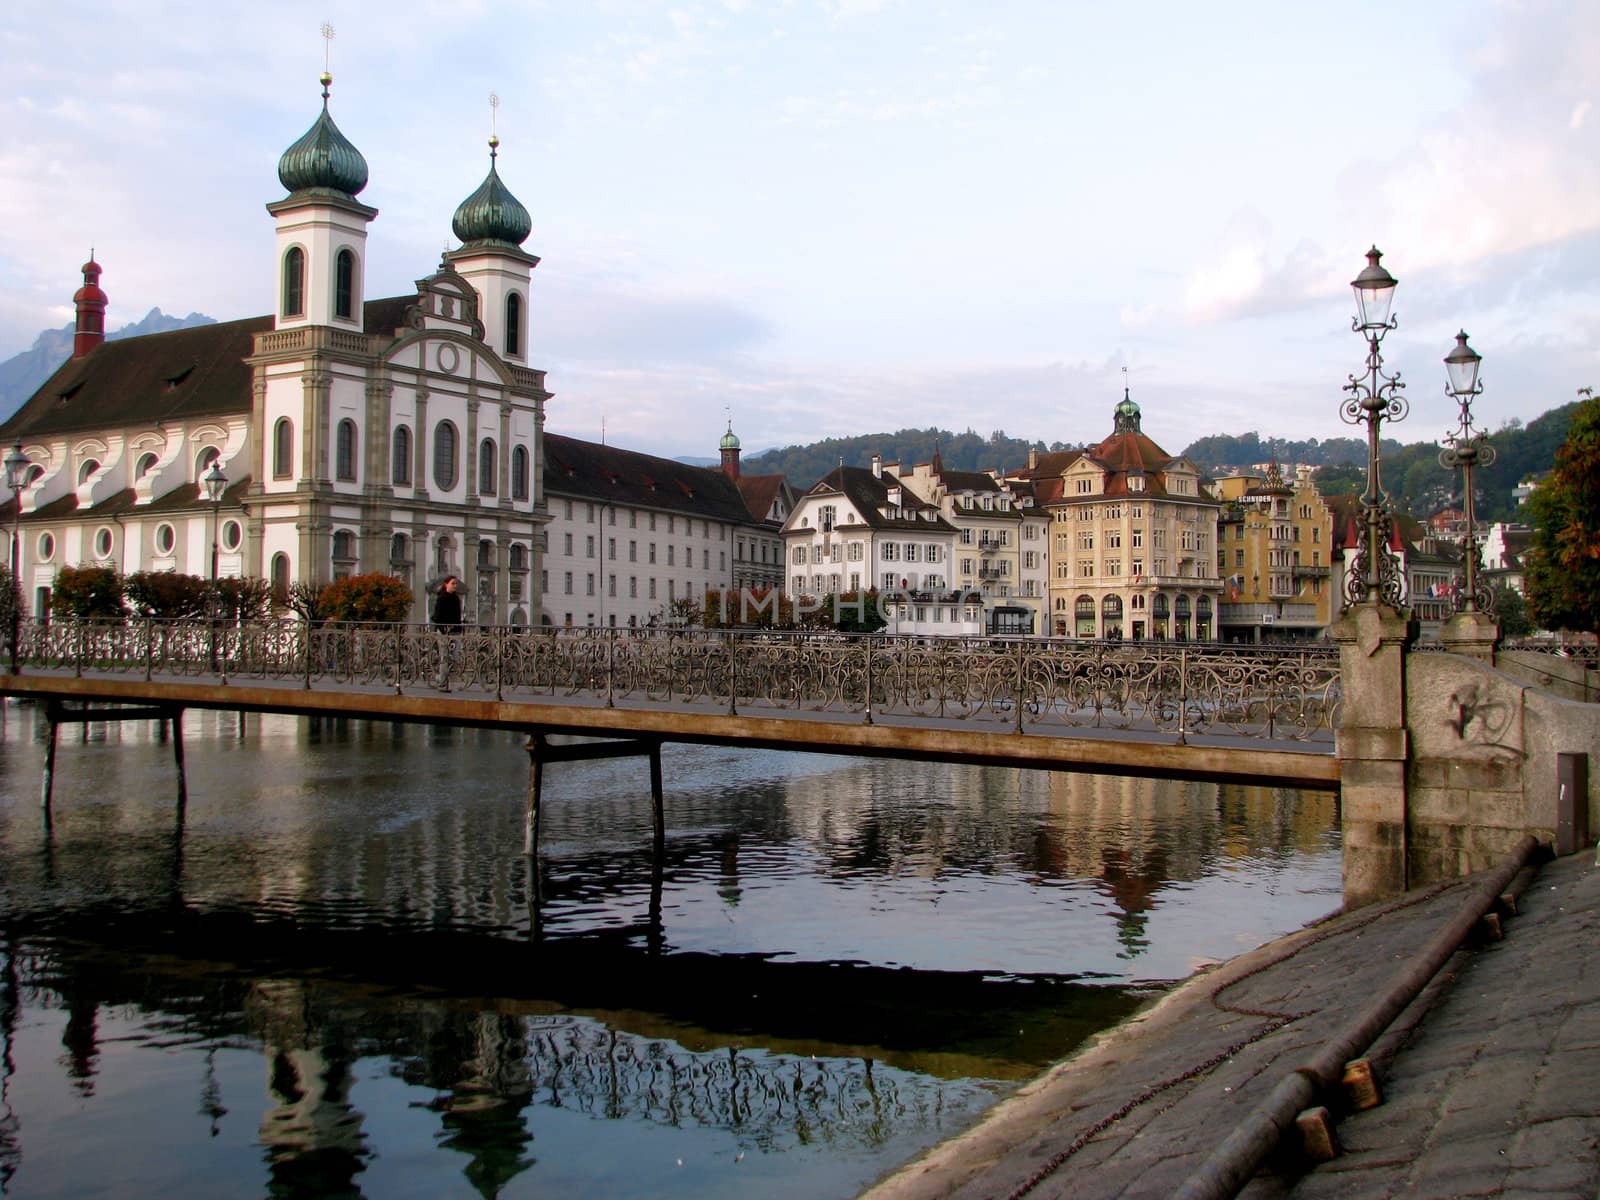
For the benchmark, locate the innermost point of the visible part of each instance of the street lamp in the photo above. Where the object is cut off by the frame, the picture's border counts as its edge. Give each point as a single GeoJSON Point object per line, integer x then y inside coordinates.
{"type": "Point", "coordinates": [215, 483]}
{"type": "Point", "coordinates": [1467, 448]}
{"type": "Point", "coordinates": [17, 466]}
{"type": "Point", "coordinates": [1375, 397]}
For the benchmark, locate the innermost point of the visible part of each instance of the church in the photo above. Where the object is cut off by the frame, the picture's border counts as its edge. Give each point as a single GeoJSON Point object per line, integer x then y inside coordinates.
{"type": "Point", "coordinates": [338, 436]}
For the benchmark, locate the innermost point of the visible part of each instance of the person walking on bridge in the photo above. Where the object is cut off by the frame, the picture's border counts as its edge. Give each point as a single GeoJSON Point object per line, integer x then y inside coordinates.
{"type": "Point", "coordinates": [447, 620]}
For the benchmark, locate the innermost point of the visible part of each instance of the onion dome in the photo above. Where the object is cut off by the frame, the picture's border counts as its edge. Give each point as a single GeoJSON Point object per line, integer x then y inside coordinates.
{"type": "Point", "coordinates": [730, 440]}
{"type": "Point", "coordinates": [90, 292]}
{"type": "Point", "coordinates": [1127, 415]}
{"type": "Point", "coordinates": [323, 157]}
{"type": "Point", "coordinates": [492, 214]}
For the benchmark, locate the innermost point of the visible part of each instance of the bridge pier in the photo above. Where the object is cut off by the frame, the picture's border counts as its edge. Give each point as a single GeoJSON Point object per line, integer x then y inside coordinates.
{"type": "Point", "coordinates": [541, 751]}
{"type": "Point", "coordinates": [60, 712]}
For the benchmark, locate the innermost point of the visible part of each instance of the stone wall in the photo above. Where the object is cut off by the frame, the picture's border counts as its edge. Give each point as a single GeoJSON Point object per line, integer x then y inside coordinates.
{"type": "Point", "coordinates": [1568, 677]}
{"type": "Point", "coordinates": [1482, 767]}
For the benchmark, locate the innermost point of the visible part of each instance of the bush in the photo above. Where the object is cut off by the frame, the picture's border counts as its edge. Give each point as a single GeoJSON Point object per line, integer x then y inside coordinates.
{"type": "Point", "coordinates": [365, 599]}
{"type": "Point", "coordinates": [88, 594]}
{"type": "Point", "coordinates": [166, 594]}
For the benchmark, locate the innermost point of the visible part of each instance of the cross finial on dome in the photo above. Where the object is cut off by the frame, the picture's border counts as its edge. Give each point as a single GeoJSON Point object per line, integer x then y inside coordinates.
{"type": "Point", "coordinates": [327, 54]}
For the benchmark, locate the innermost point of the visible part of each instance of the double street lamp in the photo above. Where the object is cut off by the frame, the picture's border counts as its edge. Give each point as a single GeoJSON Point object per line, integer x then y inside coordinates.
{"type": "Point", "coordinates": [1375, 574]}
{"type": "Point", "coordinates": [17, 466]}
{"type": "Point", "coordinates": [1467, 448]}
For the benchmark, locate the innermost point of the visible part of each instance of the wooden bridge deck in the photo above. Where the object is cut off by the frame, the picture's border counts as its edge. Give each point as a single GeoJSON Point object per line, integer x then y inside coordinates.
{"type": "Point", "coordinates": [1216, 757]}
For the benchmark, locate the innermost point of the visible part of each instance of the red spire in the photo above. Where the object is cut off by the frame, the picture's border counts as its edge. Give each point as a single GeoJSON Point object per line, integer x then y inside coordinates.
{"type": "Point", "coordinates": [91, 303]}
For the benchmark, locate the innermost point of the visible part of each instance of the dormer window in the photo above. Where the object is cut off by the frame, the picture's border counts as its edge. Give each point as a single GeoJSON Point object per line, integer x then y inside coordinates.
{"type": "Point", "coordinates": [1136, 483]}
{"type": "Point", "coordinates": [826, 516]}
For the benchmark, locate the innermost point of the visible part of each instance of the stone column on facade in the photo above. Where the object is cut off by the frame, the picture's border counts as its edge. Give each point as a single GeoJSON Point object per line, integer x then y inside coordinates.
{"type": "Point", "coordinates": [1373, 749]}
{"type": "Point", "coordinates": [251, 553]}
{"type": "Point", "coordinates": [419, 446]}
{"type": "Point", "coordinates": [318, 389]}
{"type": "Point", "coordinates": [375, 489]}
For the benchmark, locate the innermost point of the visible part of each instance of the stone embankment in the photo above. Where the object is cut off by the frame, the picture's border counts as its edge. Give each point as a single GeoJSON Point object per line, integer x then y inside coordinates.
{"type": "Point", "coordinates": [1486, 1075]}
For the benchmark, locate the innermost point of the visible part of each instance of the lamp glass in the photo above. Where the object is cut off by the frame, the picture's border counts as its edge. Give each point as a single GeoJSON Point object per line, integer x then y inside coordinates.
{"type": "Point", "coordinates": [1374, 289]}
{"type": "Point", "coordinates": [17, 465]}
{"type": "Point", "coordinates": [1462, 365]}
{"type": "Point", "coordinates": [215, 482]}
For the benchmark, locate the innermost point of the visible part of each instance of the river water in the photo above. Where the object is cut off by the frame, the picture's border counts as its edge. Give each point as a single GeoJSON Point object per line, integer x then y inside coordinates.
{"type": "Point", "coordinates": [326, 979]}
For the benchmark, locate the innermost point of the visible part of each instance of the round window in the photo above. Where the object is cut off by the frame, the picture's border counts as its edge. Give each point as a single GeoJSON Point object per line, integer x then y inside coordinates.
{"type": "Point", "coordinates": [232, 535]}
{"type": "Point", "coordinates": [47, 547]}
{"type": "Point", "coordinates": [102, 542]}
{"type": "Point", "coordinates": [165, 539]}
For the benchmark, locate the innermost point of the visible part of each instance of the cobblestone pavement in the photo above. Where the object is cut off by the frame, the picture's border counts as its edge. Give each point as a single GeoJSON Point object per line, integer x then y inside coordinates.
{"type": "Point", "coordinates": [1486, 1096]}
{"type": "Point", "coordinates": [1497, 1092]}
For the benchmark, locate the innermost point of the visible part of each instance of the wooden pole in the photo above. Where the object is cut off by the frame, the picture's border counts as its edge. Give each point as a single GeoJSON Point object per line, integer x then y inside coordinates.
{"type": "Point", "coordinates": [177, 759]}
{"type": "Point", "coordinates": [52, 712]}
{"type": "Point", "coordinates": [530, 820]}
{"type": "Point", "coordinates": [657, 814]}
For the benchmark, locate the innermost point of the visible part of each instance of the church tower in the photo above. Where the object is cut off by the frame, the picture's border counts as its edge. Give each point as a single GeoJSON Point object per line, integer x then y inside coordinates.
{"type": "Point", "coordinates": [492, 225]}
{"type": "Point", "coordinates": [91, 305]}
{"type": "Point", "coordinates": [322, 227]}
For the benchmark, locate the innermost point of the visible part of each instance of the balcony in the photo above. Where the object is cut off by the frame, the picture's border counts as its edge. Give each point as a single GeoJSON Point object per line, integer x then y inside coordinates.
{"type": "Point", "coordinates": [1314, 572]}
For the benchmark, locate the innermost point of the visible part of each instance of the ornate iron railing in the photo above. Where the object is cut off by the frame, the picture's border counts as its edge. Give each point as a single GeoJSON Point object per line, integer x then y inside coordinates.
{"type": "Point", "coordinates": [1023, 684]}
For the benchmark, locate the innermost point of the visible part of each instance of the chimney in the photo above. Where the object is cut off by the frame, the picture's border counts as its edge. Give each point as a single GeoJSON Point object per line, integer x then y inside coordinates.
{"type": "Point", "coordinates": [1033, 458]}
{"type": "Point", "coordinates": [877, 466]}
{"type": "Point", "coordinates": [91, 303]}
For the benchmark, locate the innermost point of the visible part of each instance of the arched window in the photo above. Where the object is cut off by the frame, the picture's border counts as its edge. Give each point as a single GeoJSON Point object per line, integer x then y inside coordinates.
{"type": "Point", "coordinates": [89, 467]}
{"type": "Point", "coordinates": [203, 462]}
{"type": "Point", "coordinates": [443, 555]}
{"type": "Point", "coordinates": [513, 324]}
{"type": "Point", "coordinates": [344, 284]}
{"type": "Point", "coordinates": [283, 448]}
{"type": "Point", "coordinates": [444, 456]}
{"type": "Point", "coordinates": [1111, 606]}
{"type": "Point", "coordinates": [485, 553]}
{"type": "Point", "coordinates": [519, 557]}
{"type": "Point", "coordinates": [280, 578]}
{"type": "Point", "coordinates": [294, 282]}
{"type": "Point", "coordinates": [400, 470]}
{"type": "Point", "coordinates": [486, 465]}
{"type": "Point", "coordinates": [399, 548]}
{"type": "Point", "coordinates": [147, 463]}
{"type": "Point", "coordinates": [519, 473]}
{"type": "Point", "coordinates": [344, 545]}
{"type": "Point", "coordinates": [344, 457]}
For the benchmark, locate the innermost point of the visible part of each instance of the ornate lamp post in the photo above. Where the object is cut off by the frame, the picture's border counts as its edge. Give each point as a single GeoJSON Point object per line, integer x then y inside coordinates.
{"type": "Point", "coordinates": [1467, 448]}
{"type": "Point", "coordinates": [215, 483]}
{"type": "Point", "coordinates": [17, 465]}
{"type": "Point", "coordinates": [1375, 397]}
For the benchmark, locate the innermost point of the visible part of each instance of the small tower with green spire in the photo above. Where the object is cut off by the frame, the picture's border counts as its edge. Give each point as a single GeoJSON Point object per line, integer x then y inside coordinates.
{"type": "Point", "coordinates": [492, 225]}
{"type": "Point", "coordinates": [322, 227]}
{"type": "Point", "coordinates": [730, 452]}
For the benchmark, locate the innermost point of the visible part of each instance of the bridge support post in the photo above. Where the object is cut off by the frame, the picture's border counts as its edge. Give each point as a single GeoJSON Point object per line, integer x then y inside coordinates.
{"type": "Point", "coordinates": [658, 817]}
{"type": "Point", "coordinates": [1374, 749]}
{"type": "Point", "coordinates": [530, 818]}
{"type": "Point", "coordinates": [177, 759]}
{"type": "Point", "coordinates": [52, 712]}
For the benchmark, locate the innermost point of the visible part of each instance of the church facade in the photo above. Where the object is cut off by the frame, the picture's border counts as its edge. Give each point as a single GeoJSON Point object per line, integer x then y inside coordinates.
{"type": "Point", "coordinates": [402, 435]}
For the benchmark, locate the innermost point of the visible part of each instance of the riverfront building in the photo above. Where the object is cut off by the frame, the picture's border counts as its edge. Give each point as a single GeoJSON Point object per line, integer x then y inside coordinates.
{"type": "Point", "coordinates": [1275, 557]}
{"type": "Point", "coordinates": [636, 540]}
{"type": "Point", "coordinates": [858, 531]}
{"type": "Point", "coordinates": [1132, 541]}
{"type": "Point", "coordinates": [400, 434]}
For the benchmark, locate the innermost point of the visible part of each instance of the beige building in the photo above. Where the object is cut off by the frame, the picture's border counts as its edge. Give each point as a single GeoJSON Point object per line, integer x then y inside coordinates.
{"type": "Point", "coordinates": [1132, 547]}
{"type": "Point", "coordinates": [1275, 558]}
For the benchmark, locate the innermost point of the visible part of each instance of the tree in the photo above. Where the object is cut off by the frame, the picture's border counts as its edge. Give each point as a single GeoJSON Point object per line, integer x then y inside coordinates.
{"type": "Point", "coordinates": [88, 594]}
{"type": "Point", "coordinates": [1563, 562]}
{"type": "Point", "coordinates": [365, 599]}
{"type": "Point", "coordinates": [1511, 611]}
{"type": "Point", "coordinates": [166, 594]}
{"type": "Point", "coordinates": [240, 599]}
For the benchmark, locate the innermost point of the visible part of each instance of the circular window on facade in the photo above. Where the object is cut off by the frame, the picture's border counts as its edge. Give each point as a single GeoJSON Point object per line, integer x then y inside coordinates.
{"type": "Point", "coordinates": [165, 539]}
{"type": "Point", "coordinates": [232, 535]}
{"type": "Point", "coordinates": [47, 547]}
{"type": "Point", "coordinates": [102, 542]}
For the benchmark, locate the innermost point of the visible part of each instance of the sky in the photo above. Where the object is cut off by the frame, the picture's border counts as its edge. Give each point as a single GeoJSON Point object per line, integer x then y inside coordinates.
{"type": "Point", "coordinates": [836, 217]}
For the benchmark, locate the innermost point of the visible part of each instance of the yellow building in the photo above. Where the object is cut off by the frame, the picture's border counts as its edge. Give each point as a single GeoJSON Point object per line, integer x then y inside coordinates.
{"type": "Point", "coordinates": [1274, 555]}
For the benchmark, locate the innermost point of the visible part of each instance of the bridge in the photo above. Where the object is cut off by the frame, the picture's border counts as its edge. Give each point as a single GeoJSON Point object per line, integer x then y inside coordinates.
{"type": "Point", "coordinates": [1442, 760]}
{"type": "Point", "coordinates": [1166, 710]}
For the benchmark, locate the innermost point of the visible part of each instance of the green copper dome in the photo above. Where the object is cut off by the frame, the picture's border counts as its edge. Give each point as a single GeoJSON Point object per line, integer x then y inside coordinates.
{"type": "Point", "coordinates": [323, 157]}
{"type": "Point", "coordinates": [730, 440]}
{"type": "Point", "coordinates": [492, 213]}
{"type": "Point", "coordinates": [1127, 415]}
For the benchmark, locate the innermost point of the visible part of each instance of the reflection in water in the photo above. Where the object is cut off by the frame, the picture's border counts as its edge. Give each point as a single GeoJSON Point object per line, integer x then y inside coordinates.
{"type": "Point", "coordinates": [329, 979]}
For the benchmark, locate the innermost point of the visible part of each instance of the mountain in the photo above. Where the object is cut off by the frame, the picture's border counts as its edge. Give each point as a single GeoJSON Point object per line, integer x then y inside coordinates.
{"type": "Point", "coordinates": [21, 374]}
